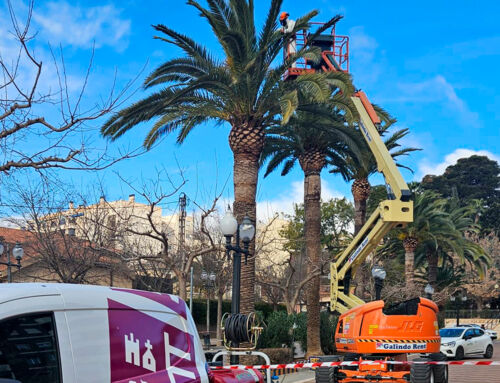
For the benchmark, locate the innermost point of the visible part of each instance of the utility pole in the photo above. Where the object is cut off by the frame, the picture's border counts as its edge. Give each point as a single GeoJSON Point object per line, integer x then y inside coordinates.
{"type": "Point", "coordinates": [182, 239]}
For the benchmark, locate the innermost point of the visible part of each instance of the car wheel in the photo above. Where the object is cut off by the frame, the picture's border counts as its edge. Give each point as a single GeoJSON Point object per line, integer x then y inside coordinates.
{"type": "Point", "coordinates": [440, 370]}
{"type": "Point", "coordinates": [489, 352]}
{"type": "Point", "coordinates": [459, 354]}
{"type": "Point", "coordinates": [421, 373]}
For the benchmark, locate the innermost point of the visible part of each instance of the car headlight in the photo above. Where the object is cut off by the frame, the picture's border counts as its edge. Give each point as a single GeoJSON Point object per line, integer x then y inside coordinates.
{"type": "Point", "coordinates": [449, 344]}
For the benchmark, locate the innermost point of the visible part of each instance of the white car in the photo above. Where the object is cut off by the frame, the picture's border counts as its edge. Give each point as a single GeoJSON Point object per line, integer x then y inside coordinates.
{"type": "Point", "coordinates": [457, 342]}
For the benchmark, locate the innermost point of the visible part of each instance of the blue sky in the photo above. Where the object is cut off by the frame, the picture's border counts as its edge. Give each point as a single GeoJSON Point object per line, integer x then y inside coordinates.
{"type": "Point", "coordinates": [432, 65]}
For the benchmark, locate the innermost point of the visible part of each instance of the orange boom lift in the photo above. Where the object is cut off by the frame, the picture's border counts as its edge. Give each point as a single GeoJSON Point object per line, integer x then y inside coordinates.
{"type": "Point", "coordinates": [373, 331]}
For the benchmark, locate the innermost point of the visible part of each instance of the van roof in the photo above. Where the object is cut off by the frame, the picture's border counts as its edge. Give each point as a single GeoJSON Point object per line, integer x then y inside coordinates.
{"type": "Point", "coordinates": [93, 297]}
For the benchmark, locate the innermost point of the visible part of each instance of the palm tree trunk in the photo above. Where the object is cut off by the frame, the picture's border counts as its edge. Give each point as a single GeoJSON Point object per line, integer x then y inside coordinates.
{"type": "Point", "coordinates": [246, 168]}
{"type": "Point", "coordinates": [359, 214]}
{"type": "Point", "coordinates": [409, 268]}
{"type": "Point", "coordinates": [432, 260]}
{"type": "Point", "coordinates": [312, 232]}
{"type": "Point", "coordinates": [360, 191]}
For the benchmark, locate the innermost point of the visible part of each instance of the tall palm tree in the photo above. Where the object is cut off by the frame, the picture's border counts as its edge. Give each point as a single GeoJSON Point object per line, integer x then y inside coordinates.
{"type": "Point", "coordinates": [456, 243]}
{"type": "Point", "coordinates": [243, 89]}
{"type": "Point", "coordinates": [360, 169]}
{"type": "Point", "coordinates": [312, 139]}
{"type": "Point", "coordinates": [430, 224]}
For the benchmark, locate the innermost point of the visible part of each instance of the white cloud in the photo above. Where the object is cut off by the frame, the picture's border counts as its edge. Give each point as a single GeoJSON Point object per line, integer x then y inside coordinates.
{"type": "Point", "coordinates": [438, 90]}
{"type": "Point", "coordinates": [294, 194]}
{"type": "Point", "coordinates": [451, 159]}
{"type": "Point", "coordinates": [64, 23]}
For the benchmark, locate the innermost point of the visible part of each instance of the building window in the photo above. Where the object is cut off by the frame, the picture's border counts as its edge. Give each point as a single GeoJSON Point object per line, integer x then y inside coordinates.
{"type": "Point", "coordinates": [28, 349]}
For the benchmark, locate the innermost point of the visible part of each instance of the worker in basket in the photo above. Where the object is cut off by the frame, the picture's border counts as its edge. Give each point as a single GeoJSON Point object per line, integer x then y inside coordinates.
{"type": "Point", "coordinates": [287, 26]}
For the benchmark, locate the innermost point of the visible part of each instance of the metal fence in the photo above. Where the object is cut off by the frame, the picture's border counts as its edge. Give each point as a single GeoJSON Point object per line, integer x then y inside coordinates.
{"type": "Point", "coordinates": [469, 313]}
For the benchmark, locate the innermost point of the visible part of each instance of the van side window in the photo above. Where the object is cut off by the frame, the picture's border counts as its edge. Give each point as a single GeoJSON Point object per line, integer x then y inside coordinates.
{"type": "Point", "coordinates": [28, 349]}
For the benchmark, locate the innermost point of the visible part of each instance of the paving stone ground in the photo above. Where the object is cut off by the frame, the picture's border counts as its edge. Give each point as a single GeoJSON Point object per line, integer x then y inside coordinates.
{"type": "Point", "coordinates": [477, 374]}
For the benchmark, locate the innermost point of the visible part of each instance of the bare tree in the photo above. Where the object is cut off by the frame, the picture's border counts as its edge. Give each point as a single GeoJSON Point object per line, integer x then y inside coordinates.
{"type": "Point", "coordinates": [58, 120]}
{"type": "Point", "coordinates": [218, 263]}
{"type": "Point", "coordinates": [71, 246]}
{"type": "Point", "coordinates": [280, 271]}
{"type": "Point", "coordinates": [169, 256]}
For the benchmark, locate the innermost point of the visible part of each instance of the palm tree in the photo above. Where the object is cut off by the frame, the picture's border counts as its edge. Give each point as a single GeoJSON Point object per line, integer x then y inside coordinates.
{"type": "Point", "coordinates": [312, 139]}
{"type": "Point", "coordinates": [361, 168]}
{"type": "Point", "coordinates": [456, 243]}
{"type": "Point", "coordinates": [430, 225]}
{"type": "Point", "coordinates": [243, 90]}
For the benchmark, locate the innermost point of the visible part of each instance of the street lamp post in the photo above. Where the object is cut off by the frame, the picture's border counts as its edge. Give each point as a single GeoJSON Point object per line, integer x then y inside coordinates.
{"type": "Point", "coordinates": [244, 232]}
{"type": "Point", "coordinates": [378, 274]}
{"type": "Point", "coordinates": [17, 252]}
{"type": "Point", "coordinates": [457, 298]}
{"type": "Point", "coordinates": [429, 290]}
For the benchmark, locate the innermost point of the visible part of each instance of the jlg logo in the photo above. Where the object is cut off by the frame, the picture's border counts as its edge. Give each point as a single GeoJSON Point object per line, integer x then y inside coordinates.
{"type": "Point", "coordinates": [412, 326]}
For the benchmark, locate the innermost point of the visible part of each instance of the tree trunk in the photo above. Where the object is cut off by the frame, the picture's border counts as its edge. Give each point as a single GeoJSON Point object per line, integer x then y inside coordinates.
{"type": "Point", "coordinates": [359, 214]}
{"type": "Point", "coordinates": [409, 268]}
{"type": "Point", "coordinates": [410, 244]}
{"type": "Point", "coordinates": [312, 232]}
{"type": "Point", "coordinates": [219, 318]}
{"type": "Point", "coordinates": [181, 279]}
{"type": "Point", "coordinates": [246, 168]}
{"type": "Point", "coordinates": [432, 260]}
{"type": "Point", "coordinates": [360, 190]}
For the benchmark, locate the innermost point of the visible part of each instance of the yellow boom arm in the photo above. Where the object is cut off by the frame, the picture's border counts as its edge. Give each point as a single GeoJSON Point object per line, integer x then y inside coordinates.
{"type": "Point", "coordinates": [397, 210]}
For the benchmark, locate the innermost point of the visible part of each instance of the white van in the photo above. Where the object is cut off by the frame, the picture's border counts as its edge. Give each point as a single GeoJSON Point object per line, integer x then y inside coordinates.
{"type": "Point", "coordinates": [78, 333]}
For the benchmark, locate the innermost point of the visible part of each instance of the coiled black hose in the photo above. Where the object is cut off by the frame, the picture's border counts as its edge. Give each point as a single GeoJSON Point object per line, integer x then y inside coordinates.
{"type": "Point", "coordinates": [237, 328]}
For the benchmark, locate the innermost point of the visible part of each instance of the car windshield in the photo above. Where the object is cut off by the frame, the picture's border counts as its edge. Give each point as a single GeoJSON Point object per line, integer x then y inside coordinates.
{"type": "Point", "coordinates": [450, 332]}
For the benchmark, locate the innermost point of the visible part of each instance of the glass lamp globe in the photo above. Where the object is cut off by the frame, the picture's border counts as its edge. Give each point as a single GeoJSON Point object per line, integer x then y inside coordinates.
{"type": "Point", "coordinates": [18, 252]}
{"type": "Point", "coordinates": [378, 272]}
{"type": "Point", "coordinates": [429, 289]}
{"type": "Point", "coordinates": [228, 224]}
{"type": "Point", "coordinates": [247, 230]}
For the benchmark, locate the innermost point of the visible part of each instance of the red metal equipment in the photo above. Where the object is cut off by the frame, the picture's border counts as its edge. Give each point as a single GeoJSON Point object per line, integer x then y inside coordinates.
{"type": "Point", "coordinates": [334, 53]}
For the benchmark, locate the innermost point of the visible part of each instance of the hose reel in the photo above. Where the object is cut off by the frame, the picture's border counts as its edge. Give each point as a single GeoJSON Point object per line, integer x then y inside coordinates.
{"type": "Point", "coordinates": [240, 328]}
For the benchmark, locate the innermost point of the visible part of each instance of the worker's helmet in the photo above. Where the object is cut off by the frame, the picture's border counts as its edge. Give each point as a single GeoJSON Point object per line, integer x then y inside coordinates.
{"type": "Point", "coordinates": [283, 16]}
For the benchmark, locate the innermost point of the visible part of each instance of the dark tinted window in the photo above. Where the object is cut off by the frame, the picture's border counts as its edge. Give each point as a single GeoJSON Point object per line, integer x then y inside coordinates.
{"type": "Point", "coordinates": [469, 333]}
{"type": "Point", "coordinates": [28, 349]}
{"type": "Point", "coordinates": [478, 332]}
{"type": "Point", "coordinates": [450, 332]}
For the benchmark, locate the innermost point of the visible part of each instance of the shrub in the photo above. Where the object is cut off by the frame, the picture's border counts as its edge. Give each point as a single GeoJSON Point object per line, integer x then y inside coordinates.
{"type": "Point", "coordinates": [279, 331]}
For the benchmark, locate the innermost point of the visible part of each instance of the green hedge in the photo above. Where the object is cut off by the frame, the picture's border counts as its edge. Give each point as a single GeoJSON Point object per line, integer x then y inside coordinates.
{"type": "Point", "coordinates": [279, 331]}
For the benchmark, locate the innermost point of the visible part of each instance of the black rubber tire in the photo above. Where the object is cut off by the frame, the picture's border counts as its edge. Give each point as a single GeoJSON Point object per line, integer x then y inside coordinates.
{"type": "Point", "coordinates": [440, 370]}
{"type": "Point", "coordinates": [421, 373]}
{"type": "Point", "coordinates": [459, 354]}
{"type": "Point", "coordinates": [488, 354]}
{"type": "Point", "coordinates": [325, 375]}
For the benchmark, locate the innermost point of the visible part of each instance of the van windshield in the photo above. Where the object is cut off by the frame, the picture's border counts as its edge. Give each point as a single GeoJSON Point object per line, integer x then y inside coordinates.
{"type": "Point", "coordinates": [451, 332]}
